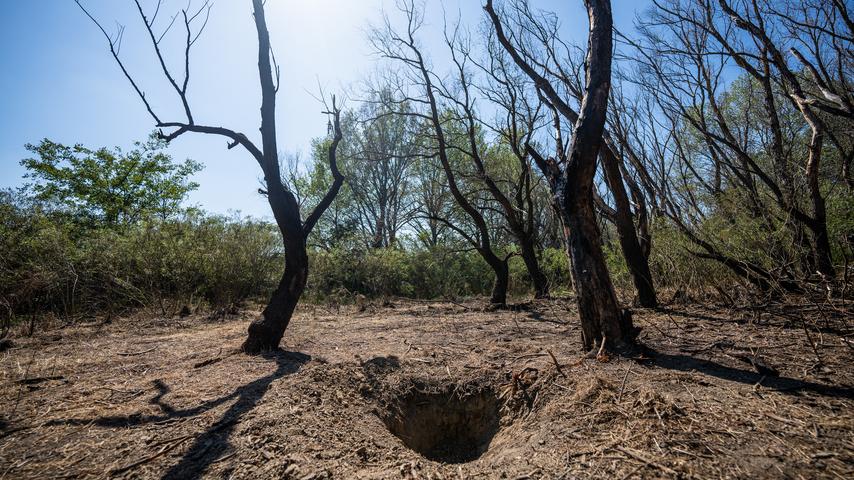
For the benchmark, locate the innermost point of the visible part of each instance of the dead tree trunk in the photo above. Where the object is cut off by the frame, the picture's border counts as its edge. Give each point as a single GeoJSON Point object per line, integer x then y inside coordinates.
{"type": "Point", "coordinates": [602, 322]}
{"type": "Point", "coordinates": [266, 332]}
{"type": "Point", "coordinates": [502, 279]}
{"type": "Point", "coordinates": [635, 258]}
{"type": "Point", "coordinates": [597, 303]}
{"type": "Point", "coordinates": [528, 252]}
{"type": "Point", "coordinates": [403, 48]}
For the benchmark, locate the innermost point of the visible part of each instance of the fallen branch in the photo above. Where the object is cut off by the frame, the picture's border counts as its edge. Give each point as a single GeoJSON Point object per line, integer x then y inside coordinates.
{"type": "Point", "coordinates": [207, 362]}
{"type": "Point", "coordinates": [647, 460]}
{"type": "Point", "coordinates": [557, 365]}
{"type": "Point", "coordinates": [130, 354]}
{"type": "Point", "coordinates": [35, 380]}
{"type": "Point", "coordinates": [623, 385]}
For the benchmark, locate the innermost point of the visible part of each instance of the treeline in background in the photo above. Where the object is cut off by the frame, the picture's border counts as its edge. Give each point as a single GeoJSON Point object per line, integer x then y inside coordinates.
{"type": "Point", "coordinates": [97, 234]}
{"type": "Point", "coordinates": [728, 141]}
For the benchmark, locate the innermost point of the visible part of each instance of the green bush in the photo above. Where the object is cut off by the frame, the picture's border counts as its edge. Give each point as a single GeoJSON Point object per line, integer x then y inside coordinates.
{"type": "Point", "coordinates": [51, 265]}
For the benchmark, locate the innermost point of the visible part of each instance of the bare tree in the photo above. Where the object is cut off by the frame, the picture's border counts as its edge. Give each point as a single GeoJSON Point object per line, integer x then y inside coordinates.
{"type": "Point", "coordinates": [266, 332]}
{"type": "Point", "coordinates": [540, 48]}
{"type": "Point", "coordinates": [403, 48]}
{"type": "Point", "coordinates": [684, 52]}
{"type": "Point", "coordinates": [515, 201]}
{"type": "Point", "coordinates": [603, 323]}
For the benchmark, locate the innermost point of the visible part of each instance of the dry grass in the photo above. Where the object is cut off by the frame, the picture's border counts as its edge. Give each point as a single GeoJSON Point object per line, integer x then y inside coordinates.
{"type": "Point", "coordinates": [153, 398]}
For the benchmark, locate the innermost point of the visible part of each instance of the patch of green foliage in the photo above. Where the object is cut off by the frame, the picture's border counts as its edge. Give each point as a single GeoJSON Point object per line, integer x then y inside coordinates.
{"type": "Point", "coordinates": [109, 187]}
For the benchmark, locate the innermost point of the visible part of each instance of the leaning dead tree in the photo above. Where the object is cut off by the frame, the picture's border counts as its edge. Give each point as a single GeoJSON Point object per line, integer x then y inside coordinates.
{"type": "Point", "coordinates": [516, 204]}
{"type": "Point", "coordinates": [266, 332]}
{"type": "Point", "coordinates": [539, 47]}
{"type": "Point", "coordinates": [603, 324]}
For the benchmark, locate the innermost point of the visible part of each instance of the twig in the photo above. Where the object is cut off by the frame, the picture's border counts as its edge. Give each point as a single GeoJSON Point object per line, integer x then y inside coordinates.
{"type": "Point", "coordinates": [601, 347]}
{"type": "Point", "coordinates": [673, 320]}
{"type": "Point", "coordinates": [207, 362]}
{"type": "Point", "coordinates": [623, 385]}
{"type": "Point", "coordinates": [557, 365]}
{"type": "Point", "coordinates": [448, 299]}
{"type": "Point", "coordinates": [130, 354]}
{"type": "Point", "coordinates": [224, 458]}
{"type": "Point", "coordinates": [518, 328]}
{"type": "Point", "coordinates": [151, 457]}
{"type": "Point", "coordinates": [35, 380]}
{"type": "Point", "coordinates": [648, 461]}
{"type": "Point", "coordinates": [21, 388]}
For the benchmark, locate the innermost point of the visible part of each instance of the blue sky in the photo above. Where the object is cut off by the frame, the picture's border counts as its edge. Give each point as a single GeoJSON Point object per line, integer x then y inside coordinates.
{"type": "Point", "coordinates": [58, 80]}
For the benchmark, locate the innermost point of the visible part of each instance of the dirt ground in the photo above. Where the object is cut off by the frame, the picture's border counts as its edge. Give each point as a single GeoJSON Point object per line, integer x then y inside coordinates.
{"type": "Point", "coordinates": [435, 390]}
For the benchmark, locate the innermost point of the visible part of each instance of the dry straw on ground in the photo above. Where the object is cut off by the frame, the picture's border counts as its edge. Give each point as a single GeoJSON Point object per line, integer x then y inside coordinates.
{"type": "Point", "coordinates": [154, 398]}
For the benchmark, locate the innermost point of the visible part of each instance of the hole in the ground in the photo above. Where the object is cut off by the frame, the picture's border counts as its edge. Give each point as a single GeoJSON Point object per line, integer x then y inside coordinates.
{"type": "Point", "coordinates": [445, 426]}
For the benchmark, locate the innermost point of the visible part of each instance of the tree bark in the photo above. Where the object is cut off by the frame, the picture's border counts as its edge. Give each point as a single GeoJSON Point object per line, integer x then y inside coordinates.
{"type": "Point", "coordinates": [823, 257]}
{"type": "Point", "coordinates": [266, 332]}
{"type": "Point", "coordinates": [602, 323]}
{"type": "Point", "coordinates": [529, 256]}
{"type": "Point", "coordinates": [636, 261]}
{"type": "Point", "coordinates": [597, 303]}
{"type": "Point", "coordinates": [502, 281]}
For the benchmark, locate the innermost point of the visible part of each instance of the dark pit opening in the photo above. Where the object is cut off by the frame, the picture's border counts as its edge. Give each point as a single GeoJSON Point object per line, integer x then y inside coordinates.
{"type": "Point", "coordinates": [448, 426]}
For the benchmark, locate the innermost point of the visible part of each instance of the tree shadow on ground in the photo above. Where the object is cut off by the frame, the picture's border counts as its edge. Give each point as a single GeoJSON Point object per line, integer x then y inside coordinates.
{"type": "Point", "coordinates": [687, 363]}
{"type": "Point", "coordinates": [694, 315]}
{"type": "Point", "coordinates": [832, 322]}
{"type": "Point", "coordinates": [210, 445]}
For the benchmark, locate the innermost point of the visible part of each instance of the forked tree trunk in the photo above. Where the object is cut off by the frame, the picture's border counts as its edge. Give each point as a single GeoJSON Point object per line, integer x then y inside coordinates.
{"type": "Point", "coordinates": [265, 333]}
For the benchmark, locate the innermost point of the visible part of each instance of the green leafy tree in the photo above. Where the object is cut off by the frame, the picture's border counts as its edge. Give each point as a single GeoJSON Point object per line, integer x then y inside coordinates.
{"type": "Point", "coordinates": [110, 187]}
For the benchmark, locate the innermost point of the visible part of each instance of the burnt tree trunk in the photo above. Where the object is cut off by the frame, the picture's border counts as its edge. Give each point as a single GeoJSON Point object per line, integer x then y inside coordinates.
{"type": "Point", "coordinates": [597, 303]}
{"type": "Point", "coordinates": [823, 257]}
{"type": "Point", "coordinates": [528, 253]}
{"type": "Point", "coordinates": [501, 283]}
{"type": "Point", "coordinates": [634, 255]}
{"type": "Point", "coordinates": [602, 321]}
{"type": "Point", "coordinates": [266, 332]}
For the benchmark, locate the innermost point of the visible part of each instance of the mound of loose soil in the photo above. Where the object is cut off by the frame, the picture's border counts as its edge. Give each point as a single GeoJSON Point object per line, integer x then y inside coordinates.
{"type": "Point", "coordinates": [433, 390]}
